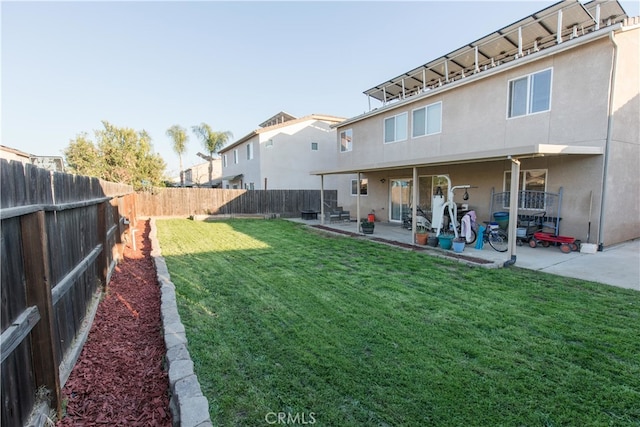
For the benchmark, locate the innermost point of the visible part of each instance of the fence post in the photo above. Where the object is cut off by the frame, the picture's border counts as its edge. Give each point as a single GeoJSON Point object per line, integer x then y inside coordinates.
{"type": "Point", "coordinates": [38, 293]}
{"type": "Point", "coordinates": [103, 258]}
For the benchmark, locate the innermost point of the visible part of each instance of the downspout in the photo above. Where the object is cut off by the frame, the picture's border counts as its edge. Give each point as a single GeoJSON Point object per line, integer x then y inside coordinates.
{"type": "Point", "coordinates": [607, 144]}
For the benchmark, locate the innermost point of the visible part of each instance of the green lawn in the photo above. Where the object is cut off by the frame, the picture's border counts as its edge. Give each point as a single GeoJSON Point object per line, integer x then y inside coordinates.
{"type": "Point", "coordinates": [346, 332]}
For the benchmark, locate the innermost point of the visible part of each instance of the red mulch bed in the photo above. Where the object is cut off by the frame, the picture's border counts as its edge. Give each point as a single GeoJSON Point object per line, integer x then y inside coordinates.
{"type": "Point", "coordinates": [119, 378]}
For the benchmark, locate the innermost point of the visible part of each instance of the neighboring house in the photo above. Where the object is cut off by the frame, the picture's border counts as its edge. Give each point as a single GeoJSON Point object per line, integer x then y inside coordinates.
{"type": "Point", "coordinates": [52, 163]}
{"type": "Point", "coordinates": [281, 154]}
{"type": "Point", "coordinates": [198, 175]}
{"type": "Point", "coordinates": [549, 103]}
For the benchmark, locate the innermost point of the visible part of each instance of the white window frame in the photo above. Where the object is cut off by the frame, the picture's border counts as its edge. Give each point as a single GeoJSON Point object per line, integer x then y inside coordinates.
{"type": "Point", "coordinates": [346, 135]}
{"type": "Point", "coordinates": [396, 136]}
{"type": "Point", "coordinates": [250, 151]}
{"type": "Point", "coordinates": [224, 160]}
{"type": "Point", "coordinates": [235, 156]}
{"type": "Point", "coordinates": [364, 183]}
{"type": "Point", "coordinates": [426, 120]}
{"type": "Point", "coordinates": [529, 101]}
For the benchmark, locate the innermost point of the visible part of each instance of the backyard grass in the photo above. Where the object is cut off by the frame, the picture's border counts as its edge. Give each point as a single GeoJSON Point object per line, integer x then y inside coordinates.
{"type": "Point", "coordinates": [338, 331]}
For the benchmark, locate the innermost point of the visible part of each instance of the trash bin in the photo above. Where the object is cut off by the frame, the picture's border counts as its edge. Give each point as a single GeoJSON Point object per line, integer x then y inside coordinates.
{"type": "Point", "coordinates": [502, 218]}
{"type": "Point", "coordinates": [371, 217]}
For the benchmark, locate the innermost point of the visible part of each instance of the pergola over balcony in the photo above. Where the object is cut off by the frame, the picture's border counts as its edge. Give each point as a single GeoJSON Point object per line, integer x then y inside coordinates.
{"type": "Point", "coordinates": [562, 21]}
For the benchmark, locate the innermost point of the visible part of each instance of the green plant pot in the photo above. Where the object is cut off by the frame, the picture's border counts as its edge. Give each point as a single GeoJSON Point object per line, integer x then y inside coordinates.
{"type": "Point", "coordinates": [366, 229]}
{"type": "Point", "coordinates": [445, 241]}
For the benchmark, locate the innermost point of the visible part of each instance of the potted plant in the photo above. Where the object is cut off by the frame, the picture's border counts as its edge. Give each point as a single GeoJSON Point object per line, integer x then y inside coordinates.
{"type": "Point", "coordinates": [458, 244]}
{"type": "Point", "coordinates": [445, 240]}
{"type": "Point", "coordinates": [421, 234]}
{"type": "Point", "coordinates": [367, 226]}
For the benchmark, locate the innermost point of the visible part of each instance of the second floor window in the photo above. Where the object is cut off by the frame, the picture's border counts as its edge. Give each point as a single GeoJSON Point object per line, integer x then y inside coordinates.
{"type": "Point", "coordinates": [395, 128]}
{"type": "Point", "coordinates": [346, 140]}
{"type": "Point", "coordinates": [224, 160]}
{"type": "Point", "coordinates": [235, 156]}
{"type": "Point", "coordinates": [427, 120]}
{"type": "Point", "coordinates": [314, 146]}
{"type": "Point", "coordinates": [249, 151]}
{"type": "Point", "coordinates": [530, 94]}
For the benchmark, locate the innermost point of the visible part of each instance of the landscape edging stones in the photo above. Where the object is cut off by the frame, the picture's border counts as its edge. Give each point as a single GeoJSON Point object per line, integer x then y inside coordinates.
{"type": "Point", "coordinates": [189, 408]}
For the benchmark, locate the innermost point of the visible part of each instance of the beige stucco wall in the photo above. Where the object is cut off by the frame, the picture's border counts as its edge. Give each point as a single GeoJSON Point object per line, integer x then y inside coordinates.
{"type": "Point", "coordinates": [198, 175]}
{"type": "Point", "coordinates": [475, 119]}
{"type": "Point", "coordinates": [249, 168]}
{"type": "Point", "coordinates": [474, 115]}
{"type": "Point", "coordinates": [622, 202]}
{"type": "Point", "coordinates": [287, 162]}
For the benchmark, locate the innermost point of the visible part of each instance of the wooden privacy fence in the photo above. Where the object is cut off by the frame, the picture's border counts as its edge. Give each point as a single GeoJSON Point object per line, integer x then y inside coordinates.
{"type": "Point", "coordinates": [61, 237]}
{"type": "Point", "coordinates": [213, 201]}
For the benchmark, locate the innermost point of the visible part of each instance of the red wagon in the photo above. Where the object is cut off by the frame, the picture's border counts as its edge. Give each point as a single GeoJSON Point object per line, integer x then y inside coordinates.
{"type": "Point", "coordinates": [567, 244]}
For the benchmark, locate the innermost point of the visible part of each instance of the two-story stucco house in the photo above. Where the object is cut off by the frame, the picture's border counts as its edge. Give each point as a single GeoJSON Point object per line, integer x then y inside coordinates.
{"type": "Point", "coordinates": [548, 104]}
{"type": "Point", "coordinates": [281, 153]}
{"type": "Point", "coordinates": [198, 175]}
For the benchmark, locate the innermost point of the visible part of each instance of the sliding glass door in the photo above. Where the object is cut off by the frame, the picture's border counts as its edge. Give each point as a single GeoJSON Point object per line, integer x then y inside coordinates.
{"type": "Point", "coordinates": [400, 198]}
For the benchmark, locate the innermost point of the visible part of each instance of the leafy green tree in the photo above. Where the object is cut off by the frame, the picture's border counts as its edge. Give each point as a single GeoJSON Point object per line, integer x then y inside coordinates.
{"type": "Point", "coordinates": [212, 141]}
{"type": "Point", "coordinates": [83, 157]}
{"type": "Point", "coordinates": [179, 136]}
{"type": "Point", "coordinates": [120, 155]}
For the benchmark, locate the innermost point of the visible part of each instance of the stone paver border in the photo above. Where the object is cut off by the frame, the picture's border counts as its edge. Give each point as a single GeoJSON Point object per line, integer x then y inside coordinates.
{"type": "Point", "coordinates": [189, 407]}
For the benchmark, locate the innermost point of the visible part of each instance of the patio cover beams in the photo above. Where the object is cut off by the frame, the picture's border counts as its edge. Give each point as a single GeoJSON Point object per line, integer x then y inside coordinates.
{"type": "Point", "coordinates": [546, 28]}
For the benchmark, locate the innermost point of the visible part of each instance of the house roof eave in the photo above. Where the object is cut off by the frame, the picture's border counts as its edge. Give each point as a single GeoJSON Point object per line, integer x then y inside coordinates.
{"type": "Point", "coordinates": [528, 151]}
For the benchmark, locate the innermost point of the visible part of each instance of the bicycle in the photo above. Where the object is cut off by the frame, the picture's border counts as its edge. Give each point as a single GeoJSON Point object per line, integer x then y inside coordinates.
{"type": "Point", "coordinates": [492, 234]}
{"type": "Point", "coordinates": [496, 237]}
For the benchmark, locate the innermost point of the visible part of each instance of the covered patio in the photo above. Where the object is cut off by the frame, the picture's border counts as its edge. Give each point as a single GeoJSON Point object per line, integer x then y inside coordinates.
{"type": "Point", "coordinates": [513, 156]}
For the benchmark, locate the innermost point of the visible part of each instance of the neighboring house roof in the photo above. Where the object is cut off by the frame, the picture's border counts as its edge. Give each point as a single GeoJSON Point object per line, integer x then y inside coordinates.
{"type": "Point", "coordinates": [323, 117]}
{"type": "Point", "coordinates": [14, 153]}
{"type": "Point", "coordinates": [281, 117]}
{"type": "Point", "coordinates": [52, 163]}
{"type": "Point", "coordinates": [535, 32]}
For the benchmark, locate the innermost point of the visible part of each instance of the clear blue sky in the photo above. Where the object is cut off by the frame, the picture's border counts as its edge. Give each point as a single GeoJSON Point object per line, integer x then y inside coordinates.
{"type": "Point", "coordinates": [66, 66]}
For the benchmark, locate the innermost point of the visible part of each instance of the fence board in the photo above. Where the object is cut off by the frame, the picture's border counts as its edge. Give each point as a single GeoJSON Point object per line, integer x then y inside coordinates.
{"type": "Point", "coordinates": [14, 334]}
{"type": "Point", "coordinates": [18, 386]}
{"type": "Point", "coordinates": [38, 282]}
{"type": "Point", "coordinates": [11, 285]}
{"type": "Point", "coordinates": [207, 201]}
{"type": "Point", "coordinates": [54, 241]}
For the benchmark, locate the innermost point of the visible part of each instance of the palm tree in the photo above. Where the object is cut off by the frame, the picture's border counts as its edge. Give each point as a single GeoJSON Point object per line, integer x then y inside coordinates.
{"type": "Point", "coordinates": [212, 142]}
{"type": "Point", "coordinates": [179, 136]}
